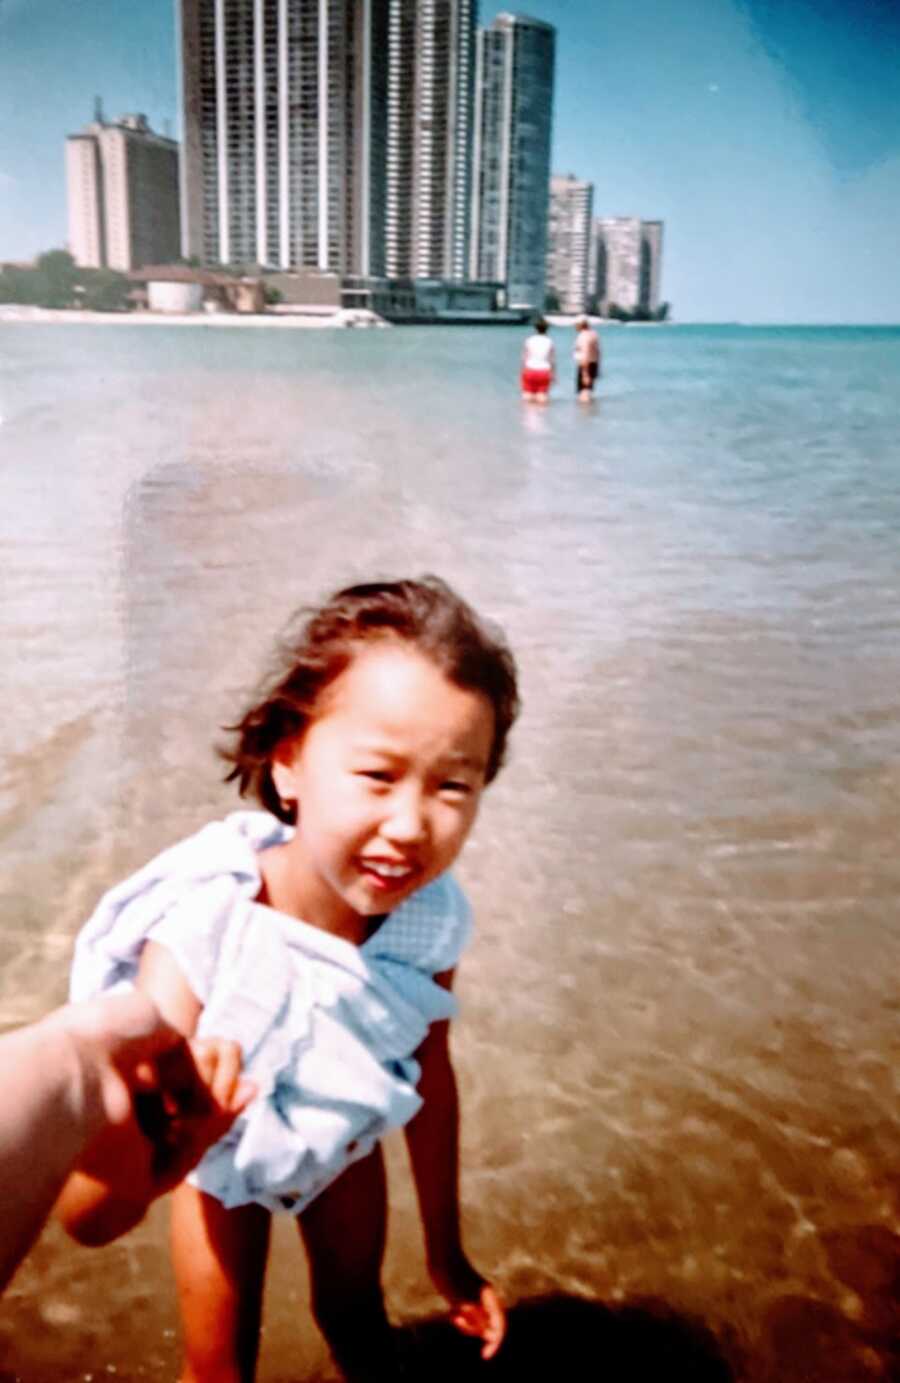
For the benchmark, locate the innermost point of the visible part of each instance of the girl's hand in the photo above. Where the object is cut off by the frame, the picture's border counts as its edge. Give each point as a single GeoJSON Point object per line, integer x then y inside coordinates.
{"type": "Point", "coordinates": [485, 1318]}
{"type": "Point", "coordinates": [476, 1308]}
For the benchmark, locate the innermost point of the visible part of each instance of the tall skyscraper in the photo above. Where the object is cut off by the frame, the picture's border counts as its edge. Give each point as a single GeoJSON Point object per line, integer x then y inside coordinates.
{"type": "Point", "coordinates": [332, 134]}
{"type": "Point", "coordinates": [284, 106]}
{"type": "Point", "coordinates": [569, 242]}
{"type": "Point", "coordinates": [513, 121]}
{"type": "Point", "coordinates": [430, 74]}
{"type": "Point", "coordinates": [651, 263]}
{"type": "Point", "coordinates": [122, 189]}
{"type": "Point", "coordinates": [626, 263]}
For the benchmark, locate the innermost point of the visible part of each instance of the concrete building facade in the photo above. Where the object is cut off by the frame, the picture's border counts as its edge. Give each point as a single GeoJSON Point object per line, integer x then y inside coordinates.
{"type": "Point", "coordinates": [328, 134]}
{"type": "Point", "coordinates": [430, 71]}
{"type": "Point", "coordinates": [85, 200]}
{"type": "Point", "coordinates": [122, 192]}
{"type": "Point", "coordinates": [284, 110]}
{"type": "Point", "coordinates": [569, 242]}
{"type": "Point", "coordinates": [514, 81]}
{"type": "Point", "coordinates": [651, 263]}
{"type": "Point", "coordinates": [626, 263]}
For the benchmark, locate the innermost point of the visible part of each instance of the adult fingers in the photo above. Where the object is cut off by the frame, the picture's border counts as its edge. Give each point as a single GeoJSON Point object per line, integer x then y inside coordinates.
{"type": "Point", "coordinates": [126, 1028]}
{"type": "Point", "coordinates": [182, 1083]}
{"type": "Point", "coordinates": [112, 1037]}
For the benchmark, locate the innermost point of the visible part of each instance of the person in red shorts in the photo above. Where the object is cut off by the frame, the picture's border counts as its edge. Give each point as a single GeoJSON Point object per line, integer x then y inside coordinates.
{"type": "Point", "coordinates": [538, 364]}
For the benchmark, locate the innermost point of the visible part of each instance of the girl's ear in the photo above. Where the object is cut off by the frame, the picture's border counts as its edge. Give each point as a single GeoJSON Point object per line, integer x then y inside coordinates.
{"type": "Point", "coordinates": [282, 770]}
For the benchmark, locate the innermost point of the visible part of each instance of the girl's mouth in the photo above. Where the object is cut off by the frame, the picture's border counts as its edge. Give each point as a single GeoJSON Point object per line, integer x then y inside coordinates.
{"type": "Point", "coordinates": [387, 874]}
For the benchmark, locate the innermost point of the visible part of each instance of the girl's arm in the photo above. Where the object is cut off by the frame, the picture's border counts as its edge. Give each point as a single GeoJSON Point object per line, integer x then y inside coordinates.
{"type": "Point", "coordinates": [181, 1105]}
{"type": "Point", "coordinates": [432, 1138]}
{"type": "Point", "coordinates": [159, 975]}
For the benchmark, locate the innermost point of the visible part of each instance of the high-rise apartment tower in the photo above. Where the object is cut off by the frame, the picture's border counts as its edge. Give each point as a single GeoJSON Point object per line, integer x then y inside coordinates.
{"type": "Point", "coordinates": [513, 121]}
{"type": "Point", "coordinates": [284, 107]}
{"type": "Point", "coordinates": [626, 263]}
{"type": "Point", "coordinates": [122, 192]}
{"type": "Point", "coordinates": [332, 134]}
{"type": "Point", "coordinates": [651, 263]}
{"type": "Point", "coordinates": [569, 242]}
{"type": "Point", "coordinates": [430, 60]}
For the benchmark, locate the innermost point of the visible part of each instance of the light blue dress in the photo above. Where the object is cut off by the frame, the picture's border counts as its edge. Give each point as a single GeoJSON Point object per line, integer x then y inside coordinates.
{"type": "Point", "coordinates": [327, 1029]}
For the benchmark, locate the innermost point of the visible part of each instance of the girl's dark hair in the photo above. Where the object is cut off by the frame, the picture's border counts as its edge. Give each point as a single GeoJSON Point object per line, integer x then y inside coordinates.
{"type": "Point", "coordinates": [540, 324]}
{"type": "Point", "coordinates": [425, 613]}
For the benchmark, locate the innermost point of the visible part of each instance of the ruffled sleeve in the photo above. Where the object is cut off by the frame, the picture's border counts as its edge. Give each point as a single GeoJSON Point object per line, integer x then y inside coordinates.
{"type": "Point", "coordinates": [184, 899]}
{"type": "Point", "coordinates": [194, 931]}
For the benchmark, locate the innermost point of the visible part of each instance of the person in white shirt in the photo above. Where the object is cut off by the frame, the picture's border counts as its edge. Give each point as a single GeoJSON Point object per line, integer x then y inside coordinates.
{"type": "Point", "coordinates": [587, 359]}
{"type": "Point", "coordinates": [538, 364]}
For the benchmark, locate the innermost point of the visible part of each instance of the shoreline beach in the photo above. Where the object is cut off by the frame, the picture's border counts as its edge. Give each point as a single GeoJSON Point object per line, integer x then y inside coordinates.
{"type": "Point", "coordinates": [15, 314]}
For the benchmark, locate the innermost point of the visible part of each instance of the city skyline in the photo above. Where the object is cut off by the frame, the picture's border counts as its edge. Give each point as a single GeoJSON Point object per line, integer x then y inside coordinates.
{"type": "Point", "coordinates": [769, 144]}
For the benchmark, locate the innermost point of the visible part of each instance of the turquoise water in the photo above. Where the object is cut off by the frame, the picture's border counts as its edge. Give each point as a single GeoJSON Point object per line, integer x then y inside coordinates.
{"type": "Point", "coordinates": [686, 880]}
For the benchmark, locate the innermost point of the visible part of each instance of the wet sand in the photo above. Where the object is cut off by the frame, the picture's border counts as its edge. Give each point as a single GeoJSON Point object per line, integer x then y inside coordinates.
{"type": "Point", "coordinates": [76, 1314]}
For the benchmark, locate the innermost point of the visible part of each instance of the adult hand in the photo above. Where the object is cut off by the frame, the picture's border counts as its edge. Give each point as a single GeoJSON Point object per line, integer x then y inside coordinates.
{"type": "Point", "coordinates": [185, 1101]}
{"type": "Point", "coordinates": [71, 1086]}
{"type": "Point", "coordinates": [152, 1103]}
{"type": "Point", "coordinates": [114, 1042]}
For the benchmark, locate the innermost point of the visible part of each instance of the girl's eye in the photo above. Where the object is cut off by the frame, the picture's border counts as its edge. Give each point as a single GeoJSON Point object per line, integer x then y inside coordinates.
{"type": "Point", "coordinates": [376, 775]}
{"type": "Point", "coordinates": [458, 789]}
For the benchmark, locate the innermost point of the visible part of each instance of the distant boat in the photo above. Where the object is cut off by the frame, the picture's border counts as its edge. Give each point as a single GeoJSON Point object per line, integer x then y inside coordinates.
{"type": "Point", "coordinates": [453, 317]}
{"type": "Point", "coordinates": [358, 317]}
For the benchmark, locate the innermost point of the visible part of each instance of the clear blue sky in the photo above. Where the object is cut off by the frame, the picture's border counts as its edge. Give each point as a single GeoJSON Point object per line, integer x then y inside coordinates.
{"type": "Point", "coordinates": [765, 133]}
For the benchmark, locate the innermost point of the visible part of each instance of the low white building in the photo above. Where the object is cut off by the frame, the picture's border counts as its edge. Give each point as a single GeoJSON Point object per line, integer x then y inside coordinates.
{"type": "Point", "coordinates": [174, 297]}
{"type": "Point", "coordinates": [180, 288]}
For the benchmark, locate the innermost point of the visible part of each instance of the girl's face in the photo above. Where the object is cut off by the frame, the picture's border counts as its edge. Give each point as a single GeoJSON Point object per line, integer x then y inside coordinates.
{"type": "Point", "coordinates": [387, 779]}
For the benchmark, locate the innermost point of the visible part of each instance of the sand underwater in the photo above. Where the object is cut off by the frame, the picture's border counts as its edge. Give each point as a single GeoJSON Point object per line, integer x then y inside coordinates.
{"type": "Point", "coordinates": [680, 1029]}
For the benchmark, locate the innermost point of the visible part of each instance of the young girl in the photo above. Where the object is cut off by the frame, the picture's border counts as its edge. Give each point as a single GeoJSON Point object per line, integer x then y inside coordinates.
{"type": "Point", "coordinates": [322, 935]}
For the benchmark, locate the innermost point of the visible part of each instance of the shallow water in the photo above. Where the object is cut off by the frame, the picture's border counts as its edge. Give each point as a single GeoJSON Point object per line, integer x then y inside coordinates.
{"type": "Point", "coordinates": [681, 1020]}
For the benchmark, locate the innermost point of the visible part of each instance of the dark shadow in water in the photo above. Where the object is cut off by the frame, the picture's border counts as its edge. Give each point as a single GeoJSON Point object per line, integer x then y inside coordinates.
{"type": "Point", "coordinates": [809, 1341]}
{"type": "Point", "coordinates": [571, 1338]}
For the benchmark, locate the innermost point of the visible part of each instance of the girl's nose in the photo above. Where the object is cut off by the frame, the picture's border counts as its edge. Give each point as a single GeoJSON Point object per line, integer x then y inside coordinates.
{"type": "Point", "coordinates": [405, 822]}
